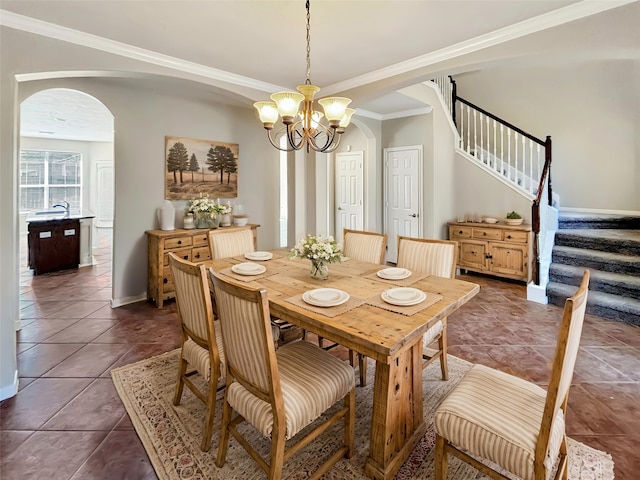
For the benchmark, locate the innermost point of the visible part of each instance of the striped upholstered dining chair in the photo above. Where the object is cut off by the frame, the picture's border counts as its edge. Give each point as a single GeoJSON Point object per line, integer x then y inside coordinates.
{"type": "Point", "coordinates": [439, 258]}
{"type": "Point", "coordinates": [231, 243]}
{"type": "Point", "coordinates": [201, 342]}
{"type": "Point", "coordinates": [366, 247]}
{"type": "Point", "coordinates": [278, 393]}
{"type": "Point", "coordinates": [493, 416]}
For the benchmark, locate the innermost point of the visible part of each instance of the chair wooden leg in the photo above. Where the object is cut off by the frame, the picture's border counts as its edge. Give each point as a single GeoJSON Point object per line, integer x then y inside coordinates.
{"type": "Point", "coordinates": [320, 341]}
{"type": "Point", "coordinates": [182, 370]}
{"type": "Point", "coordinates": [362, 368]}
{"type": "Point", "coordinates": [224, 431]}
{"type": "Point", "coordinates": [442, 346]}
{"type": "Point", "coordinates": [349, 422]}
{"type": "Point", "coordinates": [207, 431]}
{"type": "Point", "coordinates": [441, 459]}
{"type": "Point", "coordinates": [277, 456]}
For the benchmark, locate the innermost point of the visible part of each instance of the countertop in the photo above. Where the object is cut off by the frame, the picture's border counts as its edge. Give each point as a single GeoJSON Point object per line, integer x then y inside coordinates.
{"type": "Point", "coordinates": [57, 214]}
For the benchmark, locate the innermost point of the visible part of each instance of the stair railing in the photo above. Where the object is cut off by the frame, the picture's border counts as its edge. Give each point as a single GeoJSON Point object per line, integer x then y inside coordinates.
{"type": "Point", "coordinates": [504, 149]}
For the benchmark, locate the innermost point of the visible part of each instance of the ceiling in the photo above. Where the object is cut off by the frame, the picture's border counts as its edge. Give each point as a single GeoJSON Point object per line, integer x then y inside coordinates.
{"type": "Point", "coordinates": [261, 44]}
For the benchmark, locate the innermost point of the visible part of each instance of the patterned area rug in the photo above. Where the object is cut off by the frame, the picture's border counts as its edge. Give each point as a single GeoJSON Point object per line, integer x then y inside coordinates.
{"type": "Point", "coordinates": [171, 435]}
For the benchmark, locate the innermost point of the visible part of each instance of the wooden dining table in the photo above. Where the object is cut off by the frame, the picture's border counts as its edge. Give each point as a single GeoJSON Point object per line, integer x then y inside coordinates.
{"type": "Point", "coordinates": [366, 325]}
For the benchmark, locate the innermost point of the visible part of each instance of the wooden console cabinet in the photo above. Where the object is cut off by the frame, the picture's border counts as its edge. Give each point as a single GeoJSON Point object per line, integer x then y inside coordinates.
{"type": "Point", "coordinates": [496, 249]}
{"type": "Point", "coordinates": [192, 245]}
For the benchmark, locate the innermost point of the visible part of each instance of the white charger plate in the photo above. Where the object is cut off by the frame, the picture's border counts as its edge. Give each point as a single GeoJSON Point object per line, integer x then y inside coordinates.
{"type": "Point", "coordinates": [403, 296]}
{"type": "Point", "coordinates": [325, 297]}
{"type": "Point", "coordinates": [258, 256]}
{"type": "Point", "coordinates": [394, 273]}
{"type": "Point", "coordinates": [248, 268]}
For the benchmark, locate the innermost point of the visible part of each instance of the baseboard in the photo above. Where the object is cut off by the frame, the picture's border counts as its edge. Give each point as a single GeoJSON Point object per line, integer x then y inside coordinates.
{"type": "Point", "coordinates": [537, 293]}
{"type": "Point", "coordinates": [119, 302]}
{"type": "Point", "coordinates": [596, 211]}
{"type": "Point", "coordinates": [9, 391]}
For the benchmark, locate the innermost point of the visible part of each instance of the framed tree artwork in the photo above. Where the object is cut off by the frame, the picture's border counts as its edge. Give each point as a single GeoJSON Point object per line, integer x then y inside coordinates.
{"type": "Point", "coordinates": [197, 168]}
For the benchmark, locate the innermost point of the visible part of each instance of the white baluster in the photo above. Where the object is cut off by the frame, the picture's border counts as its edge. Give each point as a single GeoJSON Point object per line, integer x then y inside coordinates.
{"type": "Point", "coordinates": [515, 147]}
{"type": "Point", "coordinates": [468, 130]}
{"type": "Point", "coordinates": [462, 125]}
{"type": "Point", "coordinates": [481, 137]}
{"type": "Point", "coordinates": [502, 148]}
{"type": "Point", "coordinates": [524, 165]}
{"type": "Point", "coordinates": [539, 168]}
{"type": "Point", "coordinates": [509, 152]}
{"type": "Point", "coordinates": [475, 133]}
{"type": "Point", "coordinates": [533, 184]}
{"type": "Point", "coordinates": [495, 143]}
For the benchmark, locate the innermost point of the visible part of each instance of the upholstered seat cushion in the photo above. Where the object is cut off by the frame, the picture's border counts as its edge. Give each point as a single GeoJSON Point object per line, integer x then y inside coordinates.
{"type": "Point", "coordinates": [198, 357]}
{"type": "Point", "coordinates": [498, 416]}
{"type": "Point", "coordinates": [312, 380]}
{"type": "Point", "coordinates": [431, 334]}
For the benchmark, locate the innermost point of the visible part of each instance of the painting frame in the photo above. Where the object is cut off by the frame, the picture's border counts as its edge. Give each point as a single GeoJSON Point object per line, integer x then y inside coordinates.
{"type": "Point", "coordinates": [195, 168]}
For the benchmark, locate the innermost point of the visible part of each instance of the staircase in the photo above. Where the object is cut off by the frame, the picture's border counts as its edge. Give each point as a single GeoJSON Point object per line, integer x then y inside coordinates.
{"type": "Point", "coordinates": [609, 246]}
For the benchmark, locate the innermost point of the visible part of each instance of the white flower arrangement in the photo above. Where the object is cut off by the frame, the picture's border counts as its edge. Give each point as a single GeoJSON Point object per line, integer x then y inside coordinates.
{"type": "Point", "coordinates": [318, 249]}
{"type": "Point", "coordinates": [205, 205]}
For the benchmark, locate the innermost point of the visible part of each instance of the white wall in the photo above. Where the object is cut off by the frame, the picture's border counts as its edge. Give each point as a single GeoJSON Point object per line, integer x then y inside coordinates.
{"type": "Point", "coordinates": [591, 111]}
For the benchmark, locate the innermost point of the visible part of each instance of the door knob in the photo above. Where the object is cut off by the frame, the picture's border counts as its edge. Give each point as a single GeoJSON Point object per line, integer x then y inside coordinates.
{"type": "Point", "coordinates": [414, 215]}
{"type": "Point", "coordinates": [339, 208]}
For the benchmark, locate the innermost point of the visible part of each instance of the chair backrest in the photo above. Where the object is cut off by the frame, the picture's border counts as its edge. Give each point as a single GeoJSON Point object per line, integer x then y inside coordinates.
{"type": "Point", "coordinates": [243, 313]}
{"type": "Point", "coordinates": [435, 257]}
{"type": "Point", "coordinates": [193, 300]}
{"type": "Point", "coordinates": [223, 244]}
{"type": "Point", "coordinates": [563, 365]}
{"type": "Point", "coordinates": [364, 246]}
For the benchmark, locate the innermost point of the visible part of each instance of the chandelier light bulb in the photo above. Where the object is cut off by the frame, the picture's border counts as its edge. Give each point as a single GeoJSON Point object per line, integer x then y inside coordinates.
{"type": "Point", "coordinates": [334, 107]}
{"type": "Point", "coordinates": [268, 112]}
{"type": "Point", "coordinates": [288, 103]}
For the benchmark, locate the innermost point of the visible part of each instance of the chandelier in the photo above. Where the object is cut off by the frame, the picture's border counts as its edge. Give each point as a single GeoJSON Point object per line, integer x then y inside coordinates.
{"type": "Point", "coordinates": [301, 123]}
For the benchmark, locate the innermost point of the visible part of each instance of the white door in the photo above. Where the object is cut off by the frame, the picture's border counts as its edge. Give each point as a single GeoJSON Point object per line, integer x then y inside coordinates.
{"type": "Point", "coordinates": [402, 195]}
{"type": "Point", "coordinates": [349, 194]}
{"type": "Point", "coordinates": [104, 189]}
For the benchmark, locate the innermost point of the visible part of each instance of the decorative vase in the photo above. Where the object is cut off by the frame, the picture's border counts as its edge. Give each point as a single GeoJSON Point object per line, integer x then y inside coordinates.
{"type": "Point", "coordinates": [188, 221]}
{"type": "Point", "coordinates": [225, 220]}
{"type": "Point", "coordinates": [167, 216]}
{"type": "Point", "coordinates": [206, 220]}
{"type": "Point", "coordinates": [319, 270]}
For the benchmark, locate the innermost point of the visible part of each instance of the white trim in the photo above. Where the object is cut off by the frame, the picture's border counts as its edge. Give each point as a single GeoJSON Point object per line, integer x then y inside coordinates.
{"type": "Point", "coordinates": [119, 302]}
{"type": "Point", "coordinates": [596, 211]}
{"type": "Point", "coordinates": [51, 30]}
{"type": "Point", "coordinates": [545, 21]}
{"type": "Point", "coordinates": [399, 114]}
{"type": "Point", "coordinates": [537, 293]}
{"type": "Point", "coordinates": [9, 391]}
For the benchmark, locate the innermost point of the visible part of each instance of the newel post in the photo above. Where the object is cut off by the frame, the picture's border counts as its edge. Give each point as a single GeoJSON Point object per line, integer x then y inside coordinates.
{"type": "Point", "coordinates": [547, 161]}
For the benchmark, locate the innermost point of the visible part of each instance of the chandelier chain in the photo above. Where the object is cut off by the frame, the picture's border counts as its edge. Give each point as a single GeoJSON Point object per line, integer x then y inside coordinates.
{"type": "Point", "coordinates": [308, 82]}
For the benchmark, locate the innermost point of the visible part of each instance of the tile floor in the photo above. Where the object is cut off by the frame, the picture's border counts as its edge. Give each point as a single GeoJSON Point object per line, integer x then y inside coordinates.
{"type": "Point", "coordinates": [67, 421]}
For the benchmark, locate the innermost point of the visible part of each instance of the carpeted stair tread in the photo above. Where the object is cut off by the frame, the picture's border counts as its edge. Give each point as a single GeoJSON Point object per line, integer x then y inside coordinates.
{"type": "Point", "coordinates": [596, 259]}
{"type": "Point", "coordinates": [601, 221]}
{"type": "Point", "coordinates": [607, 282]}
{"type": "Point", "coordinates": [626, 242]}
{"type": "Point", "coordinates": [602, 304]}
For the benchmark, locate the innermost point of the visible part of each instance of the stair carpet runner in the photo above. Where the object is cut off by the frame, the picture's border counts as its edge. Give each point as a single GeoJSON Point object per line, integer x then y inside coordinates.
{"type": "Point", "coordinates": [609, 246]}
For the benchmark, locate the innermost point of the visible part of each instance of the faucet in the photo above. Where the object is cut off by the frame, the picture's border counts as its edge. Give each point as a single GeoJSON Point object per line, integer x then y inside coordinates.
{"type": "Point", "coordinates": [64, 205]}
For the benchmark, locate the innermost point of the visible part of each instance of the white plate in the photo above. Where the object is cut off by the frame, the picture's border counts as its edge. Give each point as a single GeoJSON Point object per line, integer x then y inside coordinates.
{"type": "Point", "coordinates": [394, 273]}
{"type": "Point", "coordinates": [248, 268]}
{"type": "Point", "coordinates": [325, 297]}
{"type": "Point", "coordinates": [258, 256]}
{"type": "Point", "coordinates": [403, 296]}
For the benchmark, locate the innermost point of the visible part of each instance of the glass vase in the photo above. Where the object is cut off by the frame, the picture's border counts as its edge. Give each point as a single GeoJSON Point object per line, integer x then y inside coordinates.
{"type": "Point", "coordinates": [319, 270]}
{"type": "Point", "coordinates": [206, 220]}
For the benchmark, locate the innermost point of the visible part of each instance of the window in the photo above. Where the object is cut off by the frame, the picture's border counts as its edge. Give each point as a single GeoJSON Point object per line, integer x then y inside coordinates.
{"type": "Point", "coordinates": [48, 178]}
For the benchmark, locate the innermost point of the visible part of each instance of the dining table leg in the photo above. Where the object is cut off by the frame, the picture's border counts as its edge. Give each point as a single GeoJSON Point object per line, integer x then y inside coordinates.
{"type": "Point", "coordinates": [397, 422]}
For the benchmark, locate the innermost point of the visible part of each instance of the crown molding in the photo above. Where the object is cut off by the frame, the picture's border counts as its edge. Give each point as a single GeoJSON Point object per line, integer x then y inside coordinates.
{"type": "Point", "coordinates": [46, 29]}
{"type": "Point", "coordinates": [390, 116]}
{"type": "Point", "coordinates": [576, 11]}
{"type": "Point", "coordinates": [557, 17]}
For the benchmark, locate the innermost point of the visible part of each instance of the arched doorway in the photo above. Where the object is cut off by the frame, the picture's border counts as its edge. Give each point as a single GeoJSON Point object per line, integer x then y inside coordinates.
{"type": "Point", "coordinates": [67, 154]}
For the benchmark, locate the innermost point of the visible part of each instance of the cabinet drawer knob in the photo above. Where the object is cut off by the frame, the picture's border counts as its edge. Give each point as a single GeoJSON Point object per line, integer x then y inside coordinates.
{"type": "Point", "coordinates": [484, 233]}
{"type": "Point", "coordinates": [197, 255]}
{"type": "Point", "coordinates": [179, 242]}
{"type": "Point", "coordinates": [186, 257]}
{"type": "Point", "coordinates": [460, 232]}
{"type": "Point", "coordinates": [508, 236]}
{"type": "Point", "coordinates": [165, 280]}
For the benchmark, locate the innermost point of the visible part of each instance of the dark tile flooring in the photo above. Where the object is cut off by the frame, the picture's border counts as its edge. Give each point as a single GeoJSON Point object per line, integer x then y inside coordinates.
{"type": "Point", "coordinates": [67, 421]}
